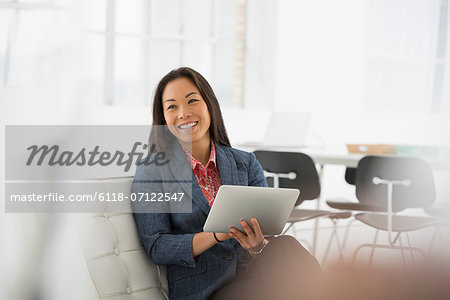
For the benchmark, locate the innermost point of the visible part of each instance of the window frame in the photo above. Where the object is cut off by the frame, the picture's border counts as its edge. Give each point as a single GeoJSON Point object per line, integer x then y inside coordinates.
{"type": "Point", "coordinates": [110, 35]}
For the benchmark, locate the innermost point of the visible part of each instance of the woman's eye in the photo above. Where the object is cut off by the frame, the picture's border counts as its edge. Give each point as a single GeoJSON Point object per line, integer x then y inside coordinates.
{"type": "Point", "coordinates": [192, 100]}
{"type": "Point", "coordinates": [170, 107]}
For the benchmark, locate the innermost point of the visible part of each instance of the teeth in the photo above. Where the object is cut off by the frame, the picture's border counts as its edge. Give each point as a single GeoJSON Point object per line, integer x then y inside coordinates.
{"type": "Point", "coordinates": [185, 126]}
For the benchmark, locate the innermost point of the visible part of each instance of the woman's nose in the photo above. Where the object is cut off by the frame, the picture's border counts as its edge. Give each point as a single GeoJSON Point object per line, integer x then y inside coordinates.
{"type": "Point", "coordinates": [184, 113]}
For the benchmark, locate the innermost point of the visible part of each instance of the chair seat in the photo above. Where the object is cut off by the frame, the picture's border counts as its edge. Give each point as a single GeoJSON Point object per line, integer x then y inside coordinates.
{"type": "Point", "coordinates": [399, 223]}
{"type": "Point", "coordinates": [340, 215]}
{"type": "Point", "coordinates": [440, 210]}
{"type": "Point", "coordinates": [347, 205]}
{"type": "Point", "coordinates": [298, 215]}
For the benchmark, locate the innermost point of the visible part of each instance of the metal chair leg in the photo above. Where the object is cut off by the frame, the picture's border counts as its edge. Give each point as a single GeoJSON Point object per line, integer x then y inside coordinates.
{"type": "Point", "coordinates": [328, 249]}
{"type": "Point", "coordinates": [373, 248]}
{"type": "Point", "coordinates": [294, 231]}
{"type": "Point", "coordinates": [401, 250]}
{"type": "Point", "coordinates": [388, 247]}
{"type": "Point", "coordinates": [347, 230]}
{"type": "Point", "coordinates": [410, 245]}
{"type": "Point", "coordinates": [394, 241]}
{"type": "Point", "coordinates": [355, 255]}
{"type": "Point", "coordinates": [334, 235]}
{"type": "Point", "coordinates": [436, 233]}
{"type": "Point", "coordinates": [289, 227]}
{"type": "Point", "coordinates": [341, 250]}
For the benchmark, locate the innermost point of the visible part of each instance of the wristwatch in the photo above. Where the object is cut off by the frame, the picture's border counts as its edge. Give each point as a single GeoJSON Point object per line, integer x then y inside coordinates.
{"type": "Point", "coordinates": [265, 242]}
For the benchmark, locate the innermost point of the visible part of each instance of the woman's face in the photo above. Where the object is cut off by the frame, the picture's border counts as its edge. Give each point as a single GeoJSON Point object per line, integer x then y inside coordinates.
{"type": "Point", "coordinates": [185, 111]}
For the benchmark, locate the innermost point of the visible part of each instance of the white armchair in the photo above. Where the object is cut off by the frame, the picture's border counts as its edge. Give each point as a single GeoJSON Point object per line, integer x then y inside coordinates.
{"type": "Point", "coordinates": [117, 263]}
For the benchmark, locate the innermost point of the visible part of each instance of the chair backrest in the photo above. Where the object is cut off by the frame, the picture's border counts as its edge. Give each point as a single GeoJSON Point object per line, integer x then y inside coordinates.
{"type": "Point", "coordinates": [307, 179]}
{"type": "Point", "coordinates": [116, 260]}
{"type": "Point", "coordinates": [350, 175]}
{"type": "Point", "coordinates": [419, 193]}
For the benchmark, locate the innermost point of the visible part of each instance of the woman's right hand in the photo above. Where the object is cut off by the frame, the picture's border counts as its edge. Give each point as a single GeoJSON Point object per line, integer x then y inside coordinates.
{"type": "Point", "coordinates": [223, 236]}
{"type": "Point", "coordinates": [252, 239]}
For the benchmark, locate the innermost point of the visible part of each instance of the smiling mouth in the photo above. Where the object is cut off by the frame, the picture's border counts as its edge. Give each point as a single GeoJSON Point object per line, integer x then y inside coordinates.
{"type": "Point", "coordinates": [188, 125]}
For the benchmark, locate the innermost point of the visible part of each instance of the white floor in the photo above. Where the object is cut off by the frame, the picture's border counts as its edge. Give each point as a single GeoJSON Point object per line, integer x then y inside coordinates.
{"type": "Point", "coordinates": [361, 234]}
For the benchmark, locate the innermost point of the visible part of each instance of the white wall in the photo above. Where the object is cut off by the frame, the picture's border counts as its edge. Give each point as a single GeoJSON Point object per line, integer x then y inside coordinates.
{"type": "Point", "coordinates": [260, 53]}
{"type": "Point", "coordinates": [300, 56]}
{"type": "Point", "coordinates": [320, 67]}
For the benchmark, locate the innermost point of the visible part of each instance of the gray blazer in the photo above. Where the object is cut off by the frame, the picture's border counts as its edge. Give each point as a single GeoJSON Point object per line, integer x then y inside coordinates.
{"type": "Point", "coordinates": [167, 237]}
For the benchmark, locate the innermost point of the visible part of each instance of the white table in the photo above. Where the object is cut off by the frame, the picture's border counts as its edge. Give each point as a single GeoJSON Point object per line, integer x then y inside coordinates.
{"type": "Point", "coordinates": [351, 160]}
{"type": "Point", "coordinates": [347, 160]}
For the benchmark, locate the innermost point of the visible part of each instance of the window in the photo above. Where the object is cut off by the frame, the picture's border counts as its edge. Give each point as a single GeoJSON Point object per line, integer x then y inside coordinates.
{"type": "Point", "coordinates": [442, 60]}
{"type": "Point", "coordinates": [406, 63]}
{"type": "Point", "coordinates": [131, 44]}
{"type": "Point", "coordinates": [125, 46]}
{"type": "Point", "coordinates": [30, 43]}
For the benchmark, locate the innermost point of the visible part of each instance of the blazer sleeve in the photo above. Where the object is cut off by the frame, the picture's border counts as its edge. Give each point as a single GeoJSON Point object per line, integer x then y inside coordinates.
{"type": "Point", "coordinates": [256, 174]}
{"type": "Point", "coordinates": [155, 229]}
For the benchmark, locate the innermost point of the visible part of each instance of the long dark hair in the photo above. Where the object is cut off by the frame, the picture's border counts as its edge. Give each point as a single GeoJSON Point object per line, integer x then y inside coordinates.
{"type": "Point", "coordinates": [160, 136]}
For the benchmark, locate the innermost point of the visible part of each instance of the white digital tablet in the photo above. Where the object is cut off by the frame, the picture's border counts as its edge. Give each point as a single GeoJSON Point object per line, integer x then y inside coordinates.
{"type": "Point", "coordinates": [270, 206]}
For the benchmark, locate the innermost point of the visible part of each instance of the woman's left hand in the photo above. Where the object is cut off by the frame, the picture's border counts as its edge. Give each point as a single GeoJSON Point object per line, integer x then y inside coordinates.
{"type": "Point", "coordinates": [253, 239]}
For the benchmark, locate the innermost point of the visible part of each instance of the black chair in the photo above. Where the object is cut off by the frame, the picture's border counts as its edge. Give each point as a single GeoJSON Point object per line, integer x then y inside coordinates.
{"type": "Point", "coordinates": [344, 204]}
{"type": "Point", "coordinates": [347, 205]}
{"type": "Point", "coordinates": [350, 175]}
{"type": "Point", "coordinates": [393, 184]}
{"type": "Point", "coordinates": [295, 170]}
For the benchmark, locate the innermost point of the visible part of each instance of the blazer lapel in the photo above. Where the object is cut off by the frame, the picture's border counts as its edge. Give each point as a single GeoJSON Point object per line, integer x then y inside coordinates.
{"type": "Point", "coordinates": [226, 165]}
{"type": "Point", "coordinates": [180, 169]}
{"type": "Point", "coordinates": [182, 172]}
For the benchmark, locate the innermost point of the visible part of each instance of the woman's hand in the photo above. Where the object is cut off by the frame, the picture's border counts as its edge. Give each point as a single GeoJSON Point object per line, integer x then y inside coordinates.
{"type": "Point", "coordinates": [223, 236]}
{"type": "Point", "coordinates": [253, 239]}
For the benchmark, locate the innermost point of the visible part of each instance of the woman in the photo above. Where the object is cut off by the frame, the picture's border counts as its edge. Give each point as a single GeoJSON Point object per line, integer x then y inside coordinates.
{"type": "Point", "coordinates": [204, 264]}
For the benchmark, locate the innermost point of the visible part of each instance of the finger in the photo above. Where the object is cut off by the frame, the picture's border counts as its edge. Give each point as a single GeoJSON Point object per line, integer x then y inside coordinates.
{"type": "Point", "coordinates": [240, 241]}
{"type": "Point", "coordinates": [240, 236]}
{"type": "Point", "coordinates": [238, 233]}
{"type": "Point", "coordinates": [257, 229]}
{"type": "Point", "coordinates": [252, 240]}
{"type": "Point", "coordinates": [247, 228]}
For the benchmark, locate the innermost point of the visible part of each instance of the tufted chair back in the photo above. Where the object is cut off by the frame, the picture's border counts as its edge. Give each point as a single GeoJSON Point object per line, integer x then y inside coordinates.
{"type": "Point", "coordinates": [117, 263]}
